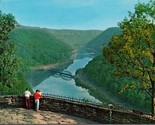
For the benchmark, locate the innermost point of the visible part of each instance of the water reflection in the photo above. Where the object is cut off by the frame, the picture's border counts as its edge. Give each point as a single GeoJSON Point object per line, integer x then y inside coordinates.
{"type": "Point", "coordinates": [61, 87]}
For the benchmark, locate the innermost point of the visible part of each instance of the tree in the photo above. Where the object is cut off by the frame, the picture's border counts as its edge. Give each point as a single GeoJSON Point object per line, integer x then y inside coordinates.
{"type": "Point", "coordinates": [9, 63]}
{"type": "Point", "coordinates": [133, 51]}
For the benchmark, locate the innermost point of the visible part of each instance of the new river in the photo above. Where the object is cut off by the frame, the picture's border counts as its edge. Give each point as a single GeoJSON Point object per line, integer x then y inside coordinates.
{"type": "Point", "coordinates": [61, 87]}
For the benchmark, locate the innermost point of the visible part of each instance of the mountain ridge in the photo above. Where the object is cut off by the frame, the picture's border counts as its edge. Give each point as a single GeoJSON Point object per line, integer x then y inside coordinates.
{"type": "Point", "coordinates": [35, 44]}
{"type": "Point", "coordinates": [95, 45]}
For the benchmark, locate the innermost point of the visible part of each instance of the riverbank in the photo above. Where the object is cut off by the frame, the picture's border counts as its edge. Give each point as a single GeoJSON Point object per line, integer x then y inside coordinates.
{"type": "Point", "coordinates": [98, 92]}
{"type": "Point", "coordinates": [39, 73]}
{"type": "Point", "coordinates": [52, 66]}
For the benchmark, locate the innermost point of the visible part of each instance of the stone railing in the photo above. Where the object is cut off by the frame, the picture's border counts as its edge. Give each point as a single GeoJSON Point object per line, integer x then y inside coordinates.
{"type": "Point", "coordinates": [78, 108]}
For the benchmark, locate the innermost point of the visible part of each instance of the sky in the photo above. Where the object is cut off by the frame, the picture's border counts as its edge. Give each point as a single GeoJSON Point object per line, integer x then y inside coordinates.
{"type": "Point", "coordinates": [69, 14]}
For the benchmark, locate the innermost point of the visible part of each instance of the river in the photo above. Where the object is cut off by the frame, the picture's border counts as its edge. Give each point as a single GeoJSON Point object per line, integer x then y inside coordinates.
{"type": "Point", "coordinates": [61, 87]}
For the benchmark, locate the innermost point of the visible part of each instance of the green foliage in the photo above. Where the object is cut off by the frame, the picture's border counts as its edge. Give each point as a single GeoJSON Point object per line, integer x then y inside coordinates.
{"type": "Point", "coordinates": [17, 88]}
{"type": "Point", "coordinates": [38, 47]}
{"type": "Point", "coordinates": [7, 23]}
{"type": "Point", "coordinates": [103, 38]}
{"type": "Point", "coordinates": [101, 74]}
{"type": "Point", "coordinates": [10, 65]}
{"type": "Point", "coordinates": [75, 38]}
{"type": "Point", "coordinates": [132, 52]}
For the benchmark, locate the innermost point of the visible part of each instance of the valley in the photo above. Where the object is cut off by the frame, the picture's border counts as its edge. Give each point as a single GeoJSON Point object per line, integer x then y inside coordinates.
{"type": "Point", "coordinates": [45, 49]}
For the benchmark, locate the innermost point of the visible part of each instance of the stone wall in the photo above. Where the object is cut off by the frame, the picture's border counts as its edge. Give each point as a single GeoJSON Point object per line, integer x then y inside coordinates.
{"type": "Point", "coordinates": [76, 108]}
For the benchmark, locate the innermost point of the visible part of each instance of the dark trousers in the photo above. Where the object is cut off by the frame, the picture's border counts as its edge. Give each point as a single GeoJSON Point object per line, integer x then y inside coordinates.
{"type": "Point", "coordinates": [27, 102]}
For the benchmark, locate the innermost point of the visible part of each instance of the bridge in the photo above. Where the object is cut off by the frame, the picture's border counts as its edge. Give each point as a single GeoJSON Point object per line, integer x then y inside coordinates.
{"type": "Point", "coordinates": [66, 75]}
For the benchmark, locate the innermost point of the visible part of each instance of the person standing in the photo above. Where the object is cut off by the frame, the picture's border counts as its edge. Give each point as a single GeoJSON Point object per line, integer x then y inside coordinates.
{"type": "Point", "coordinates": [27, 95]}
{"type": "Point", "coordinates": [37, 97]}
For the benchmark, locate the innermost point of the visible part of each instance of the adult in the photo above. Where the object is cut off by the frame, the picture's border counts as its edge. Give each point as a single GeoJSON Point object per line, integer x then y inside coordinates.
{"type": "Point", "coordinates": [27, 95]}
{"type": "Point", "coordinates": [37, 97]}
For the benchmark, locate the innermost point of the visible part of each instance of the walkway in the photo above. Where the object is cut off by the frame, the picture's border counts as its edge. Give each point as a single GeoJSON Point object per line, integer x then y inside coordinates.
{"type": "Point", "coordinates": [24, 116]}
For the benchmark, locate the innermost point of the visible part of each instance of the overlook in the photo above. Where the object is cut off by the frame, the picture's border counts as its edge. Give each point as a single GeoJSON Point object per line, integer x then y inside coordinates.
{"type": "Point", "coordinates": [24, 116]}
{"type": "Point", "coordinates": [87, 69]}
{"type": "Point", "coordinates": [60, 110]}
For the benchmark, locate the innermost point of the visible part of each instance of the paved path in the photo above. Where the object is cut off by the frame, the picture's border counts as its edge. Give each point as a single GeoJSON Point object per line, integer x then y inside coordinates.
{"type": "Point", "coordinates": [24, 116]}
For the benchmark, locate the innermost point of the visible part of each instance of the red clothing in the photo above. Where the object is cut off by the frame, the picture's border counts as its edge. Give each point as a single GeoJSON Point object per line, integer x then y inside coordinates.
{"type": "Point", "coordinates": [37, 95]}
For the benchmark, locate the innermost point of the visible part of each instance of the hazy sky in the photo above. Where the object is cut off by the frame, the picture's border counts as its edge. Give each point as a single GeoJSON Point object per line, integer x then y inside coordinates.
{"type": "Point", "coordinates": [69, 14]}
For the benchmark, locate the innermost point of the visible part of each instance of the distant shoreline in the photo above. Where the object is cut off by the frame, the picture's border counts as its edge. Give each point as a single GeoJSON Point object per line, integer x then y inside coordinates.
{"type": "Point", "coordinates": [51, 66]}
{"type": "Point", "coordinates": [38, 73]}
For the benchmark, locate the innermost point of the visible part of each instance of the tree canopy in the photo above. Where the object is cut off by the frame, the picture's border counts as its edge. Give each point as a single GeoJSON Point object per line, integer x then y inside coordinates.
{"type": "Point", "coordinates": [133, 51]}
{"type": "Point", "coordinates": [9, 63]}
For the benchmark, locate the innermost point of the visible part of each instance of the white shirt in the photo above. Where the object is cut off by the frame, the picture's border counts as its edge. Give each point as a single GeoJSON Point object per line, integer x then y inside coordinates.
{"type": "Point", "coordinates": [27, 93]}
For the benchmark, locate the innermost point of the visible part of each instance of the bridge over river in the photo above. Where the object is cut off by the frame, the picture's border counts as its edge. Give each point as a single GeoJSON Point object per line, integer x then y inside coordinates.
{"type": "Point", "coordinates": [66, 75]}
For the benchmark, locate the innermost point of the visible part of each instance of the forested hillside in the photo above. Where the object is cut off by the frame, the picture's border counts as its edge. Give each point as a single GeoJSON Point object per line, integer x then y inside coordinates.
{"type": "Point", "coordinates": [41, 46]}
{"type": "Point", "coordinates": [75, 38]}
{"type": "Point", "coordinates": [101, 75]}
{"type": "Point", "coordinates": [129, 61]}
{"type": "Point", "coordinates": [12, 80]}
{"type": "Point", "coordinates": [95, 44]}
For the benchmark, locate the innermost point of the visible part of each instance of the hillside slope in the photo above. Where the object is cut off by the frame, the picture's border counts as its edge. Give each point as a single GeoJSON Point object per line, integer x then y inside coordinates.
{"type": "Point", "coordinates": [95, 45]}
{"type": "Point", "coordinates": [101, 76]}
{"type": "Point", "coordinates": [75, 38]}
{"type": "Point", "coordinates": [41, 46]}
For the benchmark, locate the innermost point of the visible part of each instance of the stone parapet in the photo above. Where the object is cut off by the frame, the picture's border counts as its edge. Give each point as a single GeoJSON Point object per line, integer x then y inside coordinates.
{"type": "Point", "coordinates": [80, 109]}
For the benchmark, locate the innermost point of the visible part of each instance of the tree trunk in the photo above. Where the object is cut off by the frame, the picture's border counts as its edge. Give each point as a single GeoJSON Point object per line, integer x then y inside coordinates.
{"type": "Point", "coordinates": [153, 99]}
{"type": "Point", "coordinates": [153, 87]}
{"type": "Point", "coordinates": [153, 107]}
